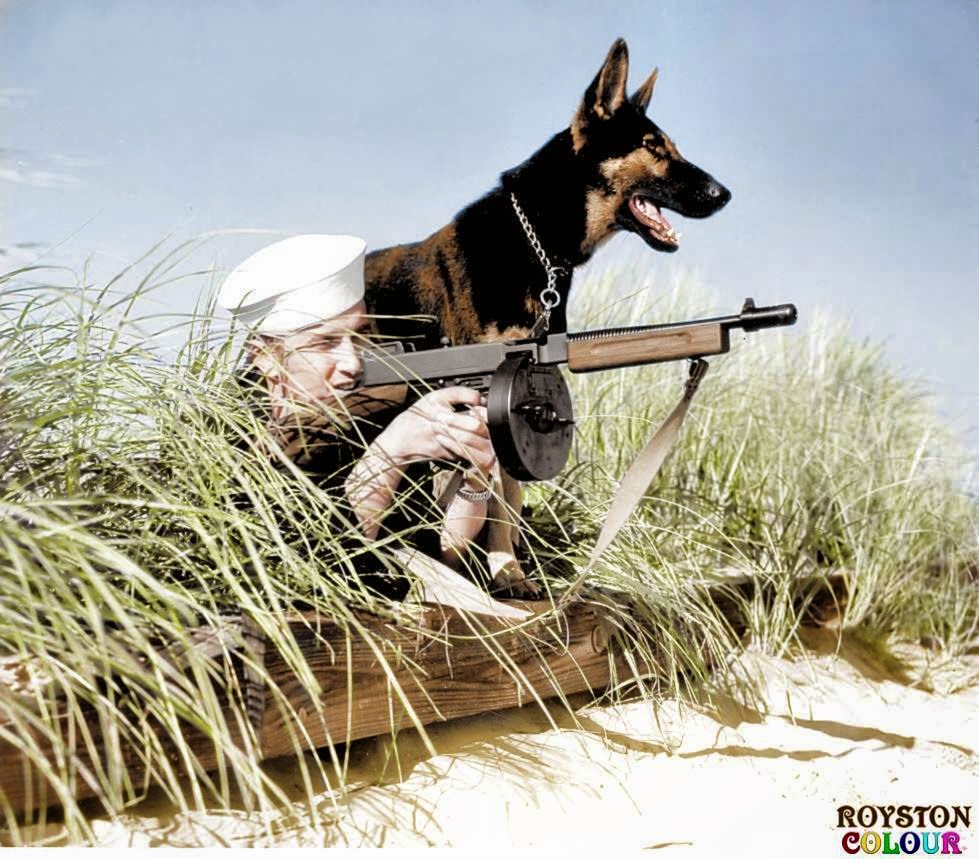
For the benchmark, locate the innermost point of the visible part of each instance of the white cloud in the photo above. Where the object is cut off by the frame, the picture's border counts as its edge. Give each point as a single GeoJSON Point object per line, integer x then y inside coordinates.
{"type": "Point", "coordinates": [20, 253]}
{"type": "Point", "coordinates": [15, 166]}
{"type": "Point", "coordinates": [74, 162]}
{"type": "Point", "coordinates": [42, 171]}
{"type": "Point", "coordinates": [15, 96]}
{"type": "Point", "coordinates": [17, 174]}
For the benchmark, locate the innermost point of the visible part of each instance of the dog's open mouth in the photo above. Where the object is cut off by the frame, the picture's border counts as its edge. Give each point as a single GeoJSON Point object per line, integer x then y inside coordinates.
{"type": "Point", "coordinates": [648, 214]}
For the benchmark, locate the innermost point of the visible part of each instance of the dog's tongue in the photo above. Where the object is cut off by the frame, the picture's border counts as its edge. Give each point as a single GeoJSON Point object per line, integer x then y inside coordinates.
{"type": "Point", "coordinates": [651, 213]}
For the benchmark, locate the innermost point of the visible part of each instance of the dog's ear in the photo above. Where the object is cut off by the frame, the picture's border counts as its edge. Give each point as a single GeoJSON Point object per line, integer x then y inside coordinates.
{"type": "Point", "coordinates": [606, 93]}
{"type": "Point", "coordinates": [640, 98]}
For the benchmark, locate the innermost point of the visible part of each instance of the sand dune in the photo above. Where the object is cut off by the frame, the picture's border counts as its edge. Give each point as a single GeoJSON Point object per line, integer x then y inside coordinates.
{"type": "Point", "coordinates": [728, 775]}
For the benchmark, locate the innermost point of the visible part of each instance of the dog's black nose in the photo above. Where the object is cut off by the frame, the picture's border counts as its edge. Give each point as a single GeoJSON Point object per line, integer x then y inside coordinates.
{"type": "Point", "coordinates": [718, 193]}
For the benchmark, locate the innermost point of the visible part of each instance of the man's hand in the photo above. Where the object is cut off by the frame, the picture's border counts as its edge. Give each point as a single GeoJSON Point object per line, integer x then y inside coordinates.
{"type": "Point", "coordinates": [432, 429]}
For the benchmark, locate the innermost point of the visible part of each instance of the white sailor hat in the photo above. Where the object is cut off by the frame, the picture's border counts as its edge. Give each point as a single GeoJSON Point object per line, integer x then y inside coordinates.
{"type": "Point", "coordinates": [296, 282]}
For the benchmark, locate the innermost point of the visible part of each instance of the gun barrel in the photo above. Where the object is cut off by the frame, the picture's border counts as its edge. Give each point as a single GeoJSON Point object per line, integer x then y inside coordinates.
{"type": "Point", "coordinates": [750, 318]}
{"type": "Point", "coordinates": [754, 318]}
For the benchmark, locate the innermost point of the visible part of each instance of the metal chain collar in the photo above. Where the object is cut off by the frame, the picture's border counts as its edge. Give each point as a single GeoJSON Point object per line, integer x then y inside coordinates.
{"type": "Point", "coordinates": [549, 297]}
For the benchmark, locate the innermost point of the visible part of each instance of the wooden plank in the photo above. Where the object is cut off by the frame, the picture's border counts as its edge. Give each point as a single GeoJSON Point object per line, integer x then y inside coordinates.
{"type": "Point", "coordinates": [454, 677]}
{"type": "Point", "coordinates": [449, 674]}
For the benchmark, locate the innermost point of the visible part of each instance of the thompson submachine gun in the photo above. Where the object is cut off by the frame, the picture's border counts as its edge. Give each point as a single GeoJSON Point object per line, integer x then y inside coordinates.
{"type": "Point", "coordinates": [528, 403]}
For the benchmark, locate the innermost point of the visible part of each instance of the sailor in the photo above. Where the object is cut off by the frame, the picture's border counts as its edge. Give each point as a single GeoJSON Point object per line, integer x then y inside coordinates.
{"type": "Point", "coordinates": [302, 301]}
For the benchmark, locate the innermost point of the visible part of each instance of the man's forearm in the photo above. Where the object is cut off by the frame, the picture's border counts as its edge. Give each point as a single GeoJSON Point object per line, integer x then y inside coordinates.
{"type": "Point", "coordinates": [464, 519]}
{"type": "Point", "coordinates": [370, 487]}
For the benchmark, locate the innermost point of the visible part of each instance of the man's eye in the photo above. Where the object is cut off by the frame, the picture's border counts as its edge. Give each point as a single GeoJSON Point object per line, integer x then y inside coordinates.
{"type": "Point", "coordinates": [315, 345]}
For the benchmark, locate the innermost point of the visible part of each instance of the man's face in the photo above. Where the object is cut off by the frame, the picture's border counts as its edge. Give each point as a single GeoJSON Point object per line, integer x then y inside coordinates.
{"type": "Point", "coordinates": [317, 364]}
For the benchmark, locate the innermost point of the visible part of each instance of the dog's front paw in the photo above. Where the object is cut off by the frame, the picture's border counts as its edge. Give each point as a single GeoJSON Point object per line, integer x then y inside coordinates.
{"type": "Point", "coordinates": [509, 578]}
{"type": "Point", "coordinates": [526, 589]}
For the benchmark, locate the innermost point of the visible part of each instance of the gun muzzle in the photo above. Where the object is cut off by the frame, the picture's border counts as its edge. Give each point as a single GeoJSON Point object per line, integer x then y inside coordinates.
{"type": "Point", "coordinates": [754, 318]}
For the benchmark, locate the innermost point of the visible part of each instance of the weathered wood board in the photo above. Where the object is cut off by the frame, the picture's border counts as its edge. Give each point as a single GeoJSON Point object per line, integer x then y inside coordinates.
{"type": "Point", "coordinates": [450, 674]}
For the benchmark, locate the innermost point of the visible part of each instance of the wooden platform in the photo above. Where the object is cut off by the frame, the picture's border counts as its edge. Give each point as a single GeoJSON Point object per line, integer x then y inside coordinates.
{"type": "Point", "coordinates": [449, 674]}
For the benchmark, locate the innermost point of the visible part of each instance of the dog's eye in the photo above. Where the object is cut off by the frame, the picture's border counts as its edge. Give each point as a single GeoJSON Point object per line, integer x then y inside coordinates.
{"type": "Point", "coordinates": [650, 141]}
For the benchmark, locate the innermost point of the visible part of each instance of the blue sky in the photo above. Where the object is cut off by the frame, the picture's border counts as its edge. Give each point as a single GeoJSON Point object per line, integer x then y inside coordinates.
{"type": "Point", "coordinates": [848, 133]}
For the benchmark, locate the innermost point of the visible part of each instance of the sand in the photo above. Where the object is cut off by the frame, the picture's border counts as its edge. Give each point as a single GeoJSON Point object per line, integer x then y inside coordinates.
{"type": "Point", "coordinates": [727, 775]}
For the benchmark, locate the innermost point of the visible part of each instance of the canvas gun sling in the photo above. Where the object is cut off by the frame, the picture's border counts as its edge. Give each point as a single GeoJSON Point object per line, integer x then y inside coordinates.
{"type": "Point", "coordinates": [638, 478]}
{"type": "Point", "coordinates": [634, 484]}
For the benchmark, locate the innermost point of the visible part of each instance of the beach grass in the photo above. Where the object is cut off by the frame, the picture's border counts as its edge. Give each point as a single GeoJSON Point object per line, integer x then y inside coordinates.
{"type": "Point", "coordinates": [140, 500]}
{"type": "Point", "coordinates": [805, 452]}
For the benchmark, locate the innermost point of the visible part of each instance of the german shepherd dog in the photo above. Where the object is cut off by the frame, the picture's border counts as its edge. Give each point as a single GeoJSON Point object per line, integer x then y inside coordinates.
{"type": "Point", "coordinates": [479, 278]}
